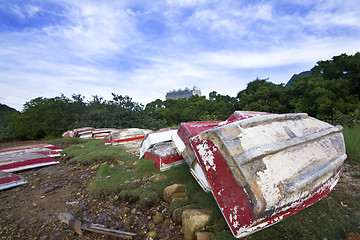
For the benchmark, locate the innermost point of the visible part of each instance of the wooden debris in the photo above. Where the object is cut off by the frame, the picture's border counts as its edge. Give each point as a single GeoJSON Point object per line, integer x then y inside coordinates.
{"type": "Point", "coordinates": [76, 225]}
{"type": "Point", "coordinates": [72, 222]}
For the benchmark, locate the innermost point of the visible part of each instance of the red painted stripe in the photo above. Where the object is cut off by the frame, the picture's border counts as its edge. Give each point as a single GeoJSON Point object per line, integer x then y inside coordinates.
{"type": "Point", "coordinates": [27, 163]}
{"type": "Point", "coordinates": [9, 179]}
{"type": "Point", "coordinates": [151, 156]}
{"type": "Point", "coordinates": [129, 139]}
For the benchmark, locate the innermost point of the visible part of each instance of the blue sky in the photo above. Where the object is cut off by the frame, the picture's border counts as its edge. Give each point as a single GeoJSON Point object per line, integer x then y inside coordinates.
{"type": "Point", "coordinates": [144, 49]}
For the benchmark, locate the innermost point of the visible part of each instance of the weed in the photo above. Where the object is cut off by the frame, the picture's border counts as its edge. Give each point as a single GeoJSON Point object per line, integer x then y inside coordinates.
{"type": "Point", "coordinates": [352, 141]}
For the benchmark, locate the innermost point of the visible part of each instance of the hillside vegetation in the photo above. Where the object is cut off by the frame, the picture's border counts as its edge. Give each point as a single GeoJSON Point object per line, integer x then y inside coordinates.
{"type": "Point", "coordinates": [331, 92]}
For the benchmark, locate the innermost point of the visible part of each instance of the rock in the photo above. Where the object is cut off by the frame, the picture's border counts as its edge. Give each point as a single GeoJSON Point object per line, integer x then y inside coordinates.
{"type": "Point", "coordinates": [167, 228]}
{"type": "Point", "coordinates": [193, 220]}
{"type": "Point", "coordinates": [158, 218]}
{"type": "Point", "coordinates": [180, 197]}
{"type": "Point", "coordinates": [151, 225]}
{"type": "Point", "coordinates": [352, 236]}
{"type": "Point", "coordinates": [177, 213]}
{"type": "Point", "coordinates": [133, 211]}
{"type": "Point", "coordinates": [170, 190]}
{"type": "Point", "coordinates": [151, 235]}
{"type": "Point", "coordinates": [95, 167]}
{"type": "Point", "coordinates": [203, 235]}
{"type": "Point", "coordinates": [137, 181]}
{"type": "Point", "coordinates": [128, 223]}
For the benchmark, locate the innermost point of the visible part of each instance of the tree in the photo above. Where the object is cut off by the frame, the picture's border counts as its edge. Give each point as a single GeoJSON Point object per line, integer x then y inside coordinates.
{"type": "Point", "coordinates": [5, 113]}
{"type": "Point", "coordinates": [262, 95]}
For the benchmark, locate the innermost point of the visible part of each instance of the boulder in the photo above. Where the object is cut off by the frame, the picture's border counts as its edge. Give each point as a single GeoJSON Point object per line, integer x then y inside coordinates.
{"type": "Point", "coordinates": [177, 213]}
{"type": "Point", "coordinates": [170, 190]}
{"type": "Point", "coordinates": [194, 220]}
{"type": "Point", "coordinates": [203, 235]}
{"type": "Point", "coordinates": [180, 197]}
{"type": "Point", "coordinates": [352, 236]}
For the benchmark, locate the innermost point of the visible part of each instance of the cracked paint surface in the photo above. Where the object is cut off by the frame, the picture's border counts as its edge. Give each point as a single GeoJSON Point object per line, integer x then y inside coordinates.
{"type": "Point", "coordinates": [276, 166]}
{"type": "Point", "coordinates": [207, 156]}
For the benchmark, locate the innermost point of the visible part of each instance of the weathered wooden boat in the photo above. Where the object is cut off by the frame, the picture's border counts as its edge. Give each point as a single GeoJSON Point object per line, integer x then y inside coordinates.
{"type": "Point", "coordinates": [181, 142]}
{"type": "Point", "coordinates": [85, 134]}
{"type": "Point", "coordinates": [88, 132]}
{"type": "Point", "coordinates": [27, 157]}
{"type": "Point", "coordinates": [264, 167]}
{"type": "Point", "coordinates": [127, 135]}
{"type": "Point", "coordinates": [77, 132]}
{"type": "Point", "coordinates": [162, 135]}
{"type": "Point", "coordinates": [102, 132]}
{"type": "Point", "coordinates": [164, 154]}
{"type": "Point", "coordinates": [68, 134]}
{"type": "Point", "coordinates": [34, 147]}
{"type": "Point", "coordinates": [9, 180]}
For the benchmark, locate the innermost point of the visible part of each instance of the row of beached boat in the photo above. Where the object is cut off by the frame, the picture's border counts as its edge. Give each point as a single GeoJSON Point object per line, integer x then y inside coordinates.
{"type": "Point", "coordinates": [260, 167]}
{"type": "Point", "coordinates": [21, 158]}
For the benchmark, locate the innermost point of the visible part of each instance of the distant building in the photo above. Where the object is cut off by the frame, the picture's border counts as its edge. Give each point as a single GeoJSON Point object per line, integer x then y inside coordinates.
{"type": "Point", "coordinates": [186, 93]}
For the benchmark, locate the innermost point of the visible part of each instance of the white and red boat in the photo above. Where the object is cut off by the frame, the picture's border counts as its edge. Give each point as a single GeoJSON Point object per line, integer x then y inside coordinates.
{"type": "Point", "coordinates": [101, 133]}
{"type": "Point", "coordinates": [165, 155]}
{"type": "Point", "coordinates": [126, 135]}
{"type": "Point", "coordinates": [162, 135]}
{"type": "Point", "coordinates": [26, 157]}
{"type": "Point", "coordinates": [262, 167]}
{"type": "Point", "coordinates": [9, 180]}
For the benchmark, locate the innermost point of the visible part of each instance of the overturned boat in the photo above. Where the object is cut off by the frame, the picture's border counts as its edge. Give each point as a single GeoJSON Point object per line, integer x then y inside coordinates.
{"type": "Point", "coordinates": [263, 167]}
{"type": "Point", "coordinates": [26, 157]}
{"type": "Point", "coordinates": [9, 180]}
{"type": "Point", "coordinates": [126, 135]}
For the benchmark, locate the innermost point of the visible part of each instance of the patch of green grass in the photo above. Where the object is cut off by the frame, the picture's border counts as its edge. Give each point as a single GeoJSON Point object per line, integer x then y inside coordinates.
{"type": "Point", "coordinates": [94, 151]}
{"type": "Point", "coordinates": [145, 197]}
{"type": "Point", "coordinates": [352, 141]}
{"type": "Point", "coordinates": [327, 218]}
{"type": "Point", "coordinates": [125, 179]}
{"type": "Point", "coordinates": [69, 141]}
{"type": "Point", "coordinates": [111, 179]}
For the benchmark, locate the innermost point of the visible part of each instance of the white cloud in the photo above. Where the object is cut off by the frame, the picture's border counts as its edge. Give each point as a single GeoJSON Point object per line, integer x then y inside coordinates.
{"type": "Point", "coordinates": [95, 29]}
{"type": "Point", "coordinates": [185, 3]}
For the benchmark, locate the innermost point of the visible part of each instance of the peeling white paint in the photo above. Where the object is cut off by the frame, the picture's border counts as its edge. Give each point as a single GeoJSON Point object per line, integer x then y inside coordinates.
{"type": "Point", "coordinates": [219, 193]}
{"type": "Point", "coordinates": [207, 155]}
